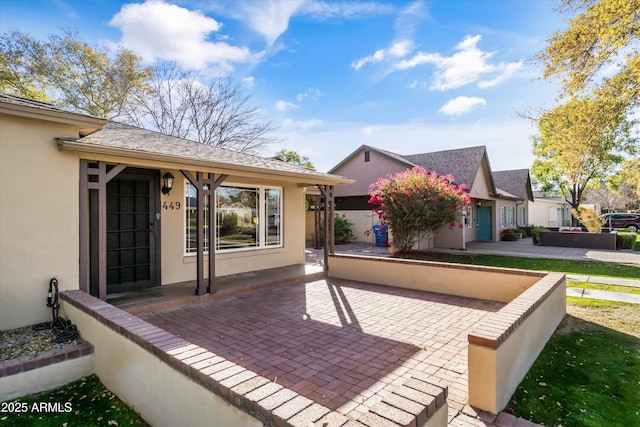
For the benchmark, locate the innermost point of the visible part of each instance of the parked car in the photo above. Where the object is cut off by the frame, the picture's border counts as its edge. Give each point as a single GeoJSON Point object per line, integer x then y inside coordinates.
{"type": "Point", "coordinates": [621, 220]}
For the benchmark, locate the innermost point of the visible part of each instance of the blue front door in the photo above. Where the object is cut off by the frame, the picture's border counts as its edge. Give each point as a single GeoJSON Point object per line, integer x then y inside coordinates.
{"type": "Point", "coordinates": [483, 223]}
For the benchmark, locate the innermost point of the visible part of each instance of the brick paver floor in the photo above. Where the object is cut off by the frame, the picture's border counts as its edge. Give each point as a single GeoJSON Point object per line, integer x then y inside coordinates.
{"type": "Point", "coordinates": [342, 344]}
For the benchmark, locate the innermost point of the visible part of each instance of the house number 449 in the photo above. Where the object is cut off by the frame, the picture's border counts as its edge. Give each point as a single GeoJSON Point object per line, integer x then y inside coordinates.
{"type": "Point", "coordinates": [171, 205]}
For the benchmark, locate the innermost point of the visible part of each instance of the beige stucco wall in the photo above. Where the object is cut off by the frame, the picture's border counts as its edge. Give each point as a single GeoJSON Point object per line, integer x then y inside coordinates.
{"type": "Point", "coordinates": [38, 218]}
{"type": "Point", "coordinates": [361, 221]}
{"type": "Point", "coordinates": [490, 284]}
{"type": "Point", "coordinates": [481, 184]}
{"type": "Point", "coordinates": [450, 237]}
{"type": "Point", "coordinates": [178, 267]}
{"type": "Point", "coordinates": [544, 213]}
{"type": "Point", "coordinates": [494, 375]}
{"type": "Point", "coordinates": [161, 394]}
{"type": "Point", "coordinates": [507, 204]}
{"type": "Point", "coordinates": [39, 221]}
{"type": "Point", "coordinates": [365, 173]}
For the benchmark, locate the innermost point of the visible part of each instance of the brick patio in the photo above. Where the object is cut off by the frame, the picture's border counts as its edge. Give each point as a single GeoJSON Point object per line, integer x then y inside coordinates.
{"type": "Point", "coordinates": [342, 344]}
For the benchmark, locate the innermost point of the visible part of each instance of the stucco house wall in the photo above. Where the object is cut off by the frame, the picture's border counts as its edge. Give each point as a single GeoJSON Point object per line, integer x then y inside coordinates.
{"type": "Point", "coordinates": [365, 173]}
{"type": "Point", "coordinates": [549, 212]}
{"type": "Point", "coordinates": [40, 207]}
{"type": "Point", "coordinates": [38, 218]}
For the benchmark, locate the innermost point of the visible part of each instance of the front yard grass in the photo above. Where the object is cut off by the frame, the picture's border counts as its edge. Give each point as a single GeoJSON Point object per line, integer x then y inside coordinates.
{"type": "Point", "coordinates": [86, 403]}
{"type": "Point", "coordinates": [589, 372]}
{"type": "Point", "coordinates": [586, 268]}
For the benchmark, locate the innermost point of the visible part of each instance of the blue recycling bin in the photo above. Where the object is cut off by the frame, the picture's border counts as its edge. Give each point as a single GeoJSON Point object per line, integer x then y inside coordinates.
{"type": "Point", "coordinates": [382, 236]}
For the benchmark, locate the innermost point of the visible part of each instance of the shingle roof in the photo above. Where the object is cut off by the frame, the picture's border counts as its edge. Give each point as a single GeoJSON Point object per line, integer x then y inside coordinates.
{"type": "Point", "coordinates": [515, 182]}
{"type": "Point", "coordinates": [29, 108]}
{"type": "Point", "coordinates": [462, 163]}
{"type": "Point", "coordinates": [140, 142]}
{"type": "Point", "coordinates": [17, 100]}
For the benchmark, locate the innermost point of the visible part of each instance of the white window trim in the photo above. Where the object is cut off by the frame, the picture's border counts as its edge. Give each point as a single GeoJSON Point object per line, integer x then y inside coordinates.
{"type": "Point", "coordinates": [262, 220]}
{"type": "Point", "coordinates": [469, 216]}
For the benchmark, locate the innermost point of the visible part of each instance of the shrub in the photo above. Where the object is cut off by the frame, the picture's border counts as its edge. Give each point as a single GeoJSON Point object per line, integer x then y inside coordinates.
{"type": "Point", "coordinates": [415, 202]}
{"type": "Point", "coordinates": [588, 218]}
{"type": "Point", "coordinates": [625, 240]}
{"type": "Point", "coordinates": [535, 234]}
{"type": "Point", "coordinates": [342, 229]}
{"type": "Point", "coordinates": [509, 235]}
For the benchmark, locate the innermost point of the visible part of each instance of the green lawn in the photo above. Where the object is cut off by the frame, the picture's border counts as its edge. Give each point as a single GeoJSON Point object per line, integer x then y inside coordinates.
{"type": "Point", "coordinates": [587, 375]}
{"type": "Point", "coordinates": [586, 268]}
{"type": "Point", "coordinates": [83, 403]}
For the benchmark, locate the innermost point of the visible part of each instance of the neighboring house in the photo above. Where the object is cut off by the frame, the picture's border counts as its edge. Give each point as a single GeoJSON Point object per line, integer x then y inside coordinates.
{"type": "Point", "coordinates": [89, 202]}
{"type": "Point", "coordinates": [549, 210]}
{"type": "Point", "coordinates": [516, 184]}
{"type": "Point", "coordinates": [492, 209]}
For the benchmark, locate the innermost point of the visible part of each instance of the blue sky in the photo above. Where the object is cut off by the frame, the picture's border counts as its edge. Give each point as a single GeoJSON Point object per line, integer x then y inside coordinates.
{"type": "Point", "coordinates": [405, 76]}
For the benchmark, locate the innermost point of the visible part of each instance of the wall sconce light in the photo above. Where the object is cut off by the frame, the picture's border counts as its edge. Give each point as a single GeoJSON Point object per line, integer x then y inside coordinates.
{"type": "Point", "coordinates": [478, 203]}
{"type": "Point", "coordinates": [167, 183]}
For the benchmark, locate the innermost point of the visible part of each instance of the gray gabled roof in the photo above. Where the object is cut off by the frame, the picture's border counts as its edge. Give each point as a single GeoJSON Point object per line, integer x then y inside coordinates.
{"type": "Point", "coordinates": [462, 163]}
{"type": "Point", "coordinates": [130, 141]}
{"type": "Point", "coordinates": [516, 182]}
{"type": "Point", "coordinates": [384, 153]}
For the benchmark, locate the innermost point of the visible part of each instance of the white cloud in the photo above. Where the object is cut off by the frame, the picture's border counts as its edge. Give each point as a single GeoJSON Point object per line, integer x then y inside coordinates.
{"type": "Point", "coordinates": [68, 10]}
{"type": "Point", "coordinates": [403, 43]}
{"type": "Point", "coordinates": [311, 93]}
{"type": "Point", "coordinates": [461, 105]}
{"type": "Point", "coordinates": [322, 10]}
{"type": "Point", "coordinates": [508, 71]}
{"type": "Point", "coordinates": [465, 66]}
{"type": "Point", "coordinates": [283, 105]}
{"type": "Point", "coordinates": [269, 18]}
{"type": "Point", "coordinates": [397, 50]}
{"type": "Point", "coordinates": [301, 124]}
{"type": "Point", "coordinates": [370, 130]}
{"type": "Point", "coordinates": [249, 81]}
{"type": "Point", "coordinates": [157, 30]}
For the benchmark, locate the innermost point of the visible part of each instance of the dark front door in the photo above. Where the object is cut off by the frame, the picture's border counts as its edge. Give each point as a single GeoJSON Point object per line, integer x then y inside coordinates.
{"type": "Point", "coordinates": [483, 224]}
{"type": "Point", "coordinates": [132, 235]}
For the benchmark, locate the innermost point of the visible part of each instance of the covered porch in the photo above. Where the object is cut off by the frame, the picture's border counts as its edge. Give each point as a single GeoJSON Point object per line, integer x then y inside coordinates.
{"type": "Point", "coordinates": [159, 215]}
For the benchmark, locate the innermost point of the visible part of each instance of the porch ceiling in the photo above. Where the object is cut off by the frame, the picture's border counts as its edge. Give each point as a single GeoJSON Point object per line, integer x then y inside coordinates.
{"type": "Point", "coordinates": [342, 344]}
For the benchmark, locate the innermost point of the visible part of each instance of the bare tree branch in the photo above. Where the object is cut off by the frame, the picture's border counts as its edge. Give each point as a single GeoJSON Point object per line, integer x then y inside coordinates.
{"type": "Point", "coordinates": [176, 103]}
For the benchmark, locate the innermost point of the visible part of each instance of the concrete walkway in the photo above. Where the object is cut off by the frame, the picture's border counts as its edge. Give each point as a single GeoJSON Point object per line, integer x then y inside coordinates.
{"type": "Point", "coordinates": [526, 248]}
{"type": "Point", "coordinates": [604, 295]}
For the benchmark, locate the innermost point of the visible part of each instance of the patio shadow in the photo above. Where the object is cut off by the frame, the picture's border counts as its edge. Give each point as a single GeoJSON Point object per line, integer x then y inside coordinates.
{"type": "Point", "coordinates": [336, 342]}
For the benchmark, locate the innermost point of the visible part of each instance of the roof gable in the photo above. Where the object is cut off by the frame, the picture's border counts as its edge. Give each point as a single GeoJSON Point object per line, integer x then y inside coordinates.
{"type": "Point", "coordinates": [388, 154]}
{"type": "Point", "coordinates": [516, 182]}
{"type": "Point", "coordinates": [462, 163]}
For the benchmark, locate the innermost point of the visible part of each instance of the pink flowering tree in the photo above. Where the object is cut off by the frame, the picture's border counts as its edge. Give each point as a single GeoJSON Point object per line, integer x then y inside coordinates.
{"type": "Point", "coordinates": [415, 202]}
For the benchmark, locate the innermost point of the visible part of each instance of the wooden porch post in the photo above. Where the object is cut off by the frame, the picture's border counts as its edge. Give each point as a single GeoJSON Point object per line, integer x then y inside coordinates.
{"type": "Point", "coordinates": [316, 221]}
{"type": "Point", "coordinates": [205, 187]}
{"type": "Point", "coordinates": [86, 184]}
{"type": "Point", "coordinates": [329, 216]}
